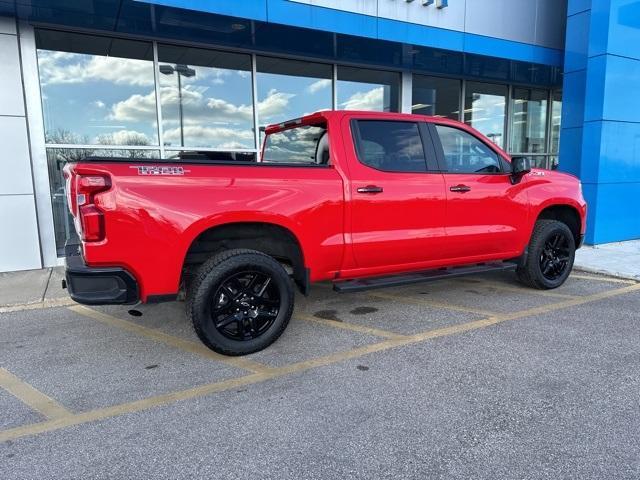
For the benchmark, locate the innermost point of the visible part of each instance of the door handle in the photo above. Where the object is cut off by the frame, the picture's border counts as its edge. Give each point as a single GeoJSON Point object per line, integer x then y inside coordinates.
{"type": "Point", "coordinates": [460, 188]}
{"type": "Point", "coordinates": [370, 189]}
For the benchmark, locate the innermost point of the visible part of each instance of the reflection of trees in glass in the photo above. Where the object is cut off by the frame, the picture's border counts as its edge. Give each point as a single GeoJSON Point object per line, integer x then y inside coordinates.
{"type": "Point", "coordinates": [66, 137]}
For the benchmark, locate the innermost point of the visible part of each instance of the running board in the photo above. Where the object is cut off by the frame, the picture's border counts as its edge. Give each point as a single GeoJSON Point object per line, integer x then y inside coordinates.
{"type": "Point", "coordinates": [370, 283]}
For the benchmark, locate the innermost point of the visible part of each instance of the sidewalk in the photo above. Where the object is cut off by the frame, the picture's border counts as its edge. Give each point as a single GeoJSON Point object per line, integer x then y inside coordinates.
{"type": "Point", "coordinates": [620, 259]}
{"type": "Point", "coordinates": [32, 287]}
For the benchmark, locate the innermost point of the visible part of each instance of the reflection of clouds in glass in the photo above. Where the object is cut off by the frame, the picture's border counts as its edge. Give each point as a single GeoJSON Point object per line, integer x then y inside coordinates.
{"type": "Point", "coordinates": [370, 100]}
{"type": "Point", "coordinates": [69, 68]}
{"type": "Point", "coordinates": [319, 85]}
{"type": "Point", "coordinates": [284, 97]}
{"type": "Point", "coordinates": [72, 68]}
{"type": "Point", "coordinates": [197, 106]}
{"type": "Point", "coordinates": [221, 137]}
{"type": "Point", "coordinates": [274, 104]}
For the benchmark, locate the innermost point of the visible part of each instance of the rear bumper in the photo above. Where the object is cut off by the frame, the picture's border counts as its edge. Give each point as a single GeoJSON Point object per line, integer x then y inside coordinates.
{"type": "Point", "coordinates": [98, 285]}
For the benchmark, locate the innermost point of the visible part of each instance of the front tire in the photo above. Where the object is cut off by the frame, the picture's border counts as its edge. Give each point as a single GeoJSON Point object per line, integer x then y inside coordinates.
{"type": "Point", "coordinates": [550, 256]}
{"type": "Point", "coordinates": [240, 302]}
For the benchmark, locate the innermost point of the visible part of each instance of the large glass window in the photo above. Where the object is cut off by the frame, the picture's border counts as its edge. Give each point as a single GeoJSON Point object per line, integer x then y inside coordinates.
{"type": "Point", "coordinates": [436, 96]}
{"type": "Point", "coordinates": [362, 89]}
{"type": "Point", "coordinates": [390, 146]}
{"type": "Point", "coordinates": [528, 120]}
{"type": "Point", "coordinates": [485, 108]}
{"type": "Point", "coordinates": [96, 90]}
{"type": "Point", "coordinates": [289, 89]}
{"type": "Point", "coordinates": [206, 98]}
{"type": "Point", "coordinates": [556, 116]}
{"type": "Point", "coordinates": [464, 153]}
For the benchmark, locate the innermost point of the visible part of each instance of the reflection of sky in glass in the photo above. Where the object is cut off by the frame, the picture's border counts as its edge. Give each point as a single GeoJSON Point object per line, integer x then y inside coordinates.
{"type": "Point", "coordinates": [86, 99]}
{"type": "Point", "coordinates": [528, 124]}
{"type": "Point", "coordinates": [363, 96]}
{"type": "Point", "coordinates": [556, 115]}
{"type": "Point", "coordinates": [284, 97]}
{"type": "Point", "coordinates": [216, 104]}
{"type": "Point", "coordinates": [486, 114]}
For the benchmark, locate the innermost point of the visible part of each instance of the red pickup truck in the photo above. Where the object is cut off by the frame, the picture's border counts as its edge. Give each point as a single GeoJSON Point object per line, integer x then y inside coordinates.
{"type": "Point", "coordinates": [362, 199]}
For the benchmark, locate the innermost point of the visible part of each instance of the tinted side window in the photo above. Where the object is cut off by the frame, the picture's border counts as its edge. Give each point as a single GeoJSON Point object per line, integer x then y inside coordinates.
{"type": "Point", "coordinates": [390, 146]}
{"type": "Point", "coordinates": [464, 153]}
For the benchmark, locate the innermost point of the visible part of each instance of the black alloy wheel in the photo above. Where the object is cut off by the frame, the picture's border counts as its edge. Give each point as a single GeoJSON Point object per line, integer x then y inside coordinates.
{"type": "Point", "coordinates": [548, 261]}
{"type": "Point", "coordinates": [240, 301]}
{"type": "Point", "coordinates": [554, 258]}
{"type": "Point", "coordinates": [245, 305]}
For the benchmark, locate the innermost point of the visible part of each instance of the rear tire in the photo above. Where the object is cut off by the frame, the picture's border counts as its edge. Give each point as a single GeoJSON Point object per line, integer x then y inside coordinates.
{"type": "Point", "coordinates": [240, 302]}
{"type": "Point", "coordinates": [550, 256]}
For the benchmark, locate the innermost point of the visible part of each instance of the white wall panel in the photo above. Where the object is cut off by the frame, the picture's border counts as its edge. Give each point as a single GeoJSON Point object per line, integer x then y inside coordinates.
{"type": "Point", "coordinates": [19, 246]}
{"type": "Point", "coordinates": [512, 20]}
{"type": "Point", "coordinates": [11, 99]}
{"type": "Point", "coordinates": [14, 157]}
{"type": "Point", "coordinates": [451, 18]}
{"type": "Point", "coordinates": [537, 22]}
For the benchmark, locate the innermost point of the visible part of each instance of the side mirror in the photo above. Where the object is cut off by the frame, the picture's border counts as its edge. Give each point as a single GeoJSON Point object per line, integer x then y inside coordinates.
{"type": "Point", "coordinates": [520, 166]}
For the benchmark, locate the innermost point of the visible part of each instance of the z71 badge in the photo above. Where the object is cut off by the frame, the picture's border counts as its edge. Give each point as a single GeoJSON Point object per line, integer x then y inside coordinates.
{"type": "Point", "coordinates": [158, 170]}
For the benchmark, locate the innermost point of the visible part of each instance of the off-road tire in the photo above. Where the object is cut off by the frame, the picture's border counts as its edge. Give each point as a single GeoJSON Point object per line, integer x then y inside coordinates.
{"type": "Point", "coordinates": [210, 277]}
{"type": "Point", "coordinates": [530, 272]}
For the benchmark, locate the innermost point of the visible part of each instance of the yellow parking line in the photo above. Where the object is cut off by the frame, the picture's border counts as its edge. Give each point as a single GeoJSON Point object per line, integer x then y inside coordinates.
{"type": "Point", "coordinates": [601, 278]}
{"type": "Point", "coordinates": [515, 288]}
{"type": "Point", "coordinates": [54, 302]}
{"type": "Point", "coordinates": [430, 303]}
{"type": "Point", "coordinates": [349, 326]}
{"type": "Point", "coordinates": [32, 397]}
{"type": "Point", "coordinates": [186, 345]}
{"type": "Point", "coordinates": [169, 398]}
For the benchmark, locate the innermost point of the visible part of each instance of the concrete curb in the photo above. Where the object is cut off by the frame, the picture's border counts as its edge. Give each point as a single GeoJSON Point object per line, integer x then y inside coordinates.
{"type": "Point", "coordinates": [605, 273]}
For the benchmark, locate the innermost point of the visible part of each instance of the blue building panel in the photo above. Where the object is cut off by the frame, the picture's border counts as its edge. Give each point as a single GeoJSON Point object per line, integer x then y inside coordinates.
{"type": "Point", "coordinates": [595, 88]}
{"type": "Point", "coordinates": [573, 99]}
{"type": "Point", "coordinates": [621, 88]}
{"type": "Point", "coordinates": [577, 6]}
{"type": "Point", "coordinates": [613, 212]}
{"type": "Point", "coordinates": [577, 44]}
{"type": "Point", "coordinates": [609, 159]}
{"type": "Point", "coordinates": [570, 151]}
{"type": "Point", "coordinates": [624, 21]}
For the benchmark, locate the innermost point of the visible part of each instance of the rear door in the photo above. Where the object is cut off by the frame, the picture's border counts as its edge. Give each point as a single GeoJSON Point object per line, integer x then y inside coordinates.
{"type": "Point", "coordinates": [485, 211]}
{"type": "Point", "coordinates": [397, 195]}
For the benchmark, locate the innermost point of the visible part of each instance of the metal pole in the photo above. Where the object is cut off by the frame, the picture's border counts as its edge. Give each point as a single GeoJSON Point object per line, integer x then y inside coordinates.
{"type": "Point", "coordinates": [156, 82]}
{"type": "Point", "coordinates": [180, 108]}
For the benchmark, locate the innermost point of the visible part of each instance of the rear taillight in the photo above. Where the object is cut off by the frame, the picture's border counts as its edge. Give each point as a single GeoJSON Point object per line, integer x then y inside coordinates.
{"type": "Point", "coordinates": [89, 219]}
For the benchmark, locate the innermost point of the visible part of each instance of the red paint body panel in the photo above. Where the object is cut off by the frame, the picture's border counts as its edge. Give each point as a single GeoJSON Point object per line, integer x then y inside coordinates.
{"type": "Point", "coordinates": [150, 221]}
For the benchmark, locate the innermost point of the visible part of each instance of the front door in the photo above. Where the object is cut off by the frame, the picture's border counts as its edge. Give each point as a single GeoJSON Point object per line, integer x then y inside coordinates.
{"type": "Point", "coordinates": [485, 212]}
{"type": "Point", "coordinates": [397, 202]}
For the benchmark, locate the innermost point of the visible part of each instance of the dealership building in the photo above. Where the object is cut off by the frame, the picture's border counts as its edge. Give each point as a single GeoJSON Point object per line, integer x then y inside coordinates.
{"type": "Point", "coordinates": [553, 80]}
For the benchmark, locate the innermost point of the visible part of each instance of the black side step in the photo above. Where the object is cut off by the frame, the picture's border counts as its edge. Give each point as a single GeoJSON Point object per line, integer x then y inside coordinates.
{"type": "Point", "coordinates": [418, 277]}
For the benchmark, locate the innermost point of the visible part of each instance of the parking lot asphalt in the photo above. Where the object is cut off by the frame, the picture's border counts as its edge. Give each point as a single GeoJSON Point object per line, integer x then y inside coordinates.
{"type": "Point", "coordinates": [475, 377]}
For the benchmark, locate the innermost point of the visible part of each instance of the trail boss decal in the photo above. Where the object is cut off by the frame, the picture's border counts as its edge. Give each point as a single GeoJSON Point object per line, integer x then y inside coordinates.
{"type": "Point", "coordinates": [158, 170]}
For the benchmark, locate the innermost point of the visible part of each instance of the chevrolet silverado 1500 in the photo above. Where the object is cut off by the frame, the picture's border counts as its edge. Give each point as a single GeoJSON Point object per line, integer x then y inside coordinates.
{"type": "Point", "coordinates": [361, 199]}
